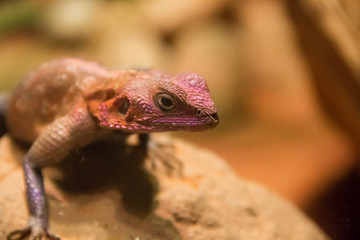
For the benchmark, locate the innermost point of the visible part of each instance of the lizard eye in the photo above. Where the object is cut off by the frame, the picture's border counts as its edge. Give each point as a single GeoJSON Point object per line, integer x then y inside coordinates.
{"type": "Point", "coordinates": [199, 112]}
{"type": "Point", "coordinates": [165, 102]}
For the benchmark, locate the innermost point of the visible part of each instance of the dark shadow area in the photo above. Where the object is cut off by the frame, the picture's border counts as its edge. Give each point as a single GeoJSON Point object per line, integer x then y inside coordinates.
{"type": "Point", "coordinates": [110, 164]}
{"type": "Point", "coordinates": [338, 211]}
{"type": "Point", "coordinates": [3, 129]}
{"type": "Point", "coordinates": [4, 99]}
{"type": "Point", "coordinates": [107, 165]}
{"type": "Point", "coordinates": [227, 14]}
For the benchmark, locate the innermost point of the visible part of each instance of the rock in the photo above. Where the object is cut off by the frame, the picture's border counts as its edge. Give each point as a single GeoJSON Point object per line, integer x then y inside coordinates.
{"type": "Point", "coordinates": [127, 40]}
{"type": "Point", "coordinates": [70, 20]}
{"type": "Point", "coordinates": [170, 15]}
{"type": "Point", "coordinates": [109, 194]}
{"type": "Point", "coordinates": [269, 45]}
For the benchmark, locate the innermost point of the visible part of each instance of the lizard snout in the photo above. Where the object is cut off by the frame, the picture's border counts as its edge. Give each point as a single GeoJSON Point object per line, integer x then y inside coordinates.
{"type": "Point", "coordinates": [211, 119]}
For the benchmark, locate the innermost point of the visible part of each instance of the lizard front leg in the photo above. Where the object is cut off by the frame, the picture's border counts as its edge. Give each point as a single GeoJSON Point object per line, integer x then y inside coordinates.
{"type": "Point", "coordinates": [74, 130]}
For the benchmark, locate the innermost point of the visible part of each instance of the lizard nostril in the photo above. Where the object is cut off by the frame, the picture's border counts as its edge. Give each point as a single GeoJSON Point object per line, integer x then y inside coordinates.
{"type": "Point", "coordinates": [215, 117]}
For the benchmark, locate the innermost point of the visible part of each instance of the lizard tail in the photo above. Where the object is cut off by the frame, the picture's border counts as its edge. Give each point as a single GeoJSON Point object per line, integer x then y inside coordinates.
{"type": "Point", "coordinates": [4, 100]}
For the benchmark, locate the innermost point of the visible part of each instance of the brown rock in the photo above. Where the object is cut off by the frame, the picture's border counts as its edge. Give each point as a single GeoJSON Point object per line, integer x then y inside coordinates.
{"type": "Point", "coordinates": [127, 40]}
{"type": "Point", "coordinates": [170, 15]}
{"type": "Point", "coordinates": [109, 195]}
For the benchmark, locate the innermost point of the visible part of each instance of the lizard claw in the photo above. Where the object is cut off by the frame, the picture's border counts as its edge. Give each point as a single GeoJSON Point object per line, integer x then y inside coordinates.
{"type": "Point", "coordinates": [35, 234]}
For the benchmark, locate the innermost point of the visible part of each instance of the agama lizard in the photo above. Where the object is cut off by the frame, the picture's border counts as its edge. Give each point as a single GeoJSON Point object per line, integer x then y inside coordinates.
{"type": "Point", "coordinates": [68, 103]}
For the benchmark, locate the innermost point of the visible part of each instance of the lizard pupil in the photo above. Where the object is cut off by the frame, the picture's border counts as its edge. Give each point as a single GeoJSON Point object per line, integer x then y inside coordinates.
{"type": "Point", "coordinates": [165, 102]}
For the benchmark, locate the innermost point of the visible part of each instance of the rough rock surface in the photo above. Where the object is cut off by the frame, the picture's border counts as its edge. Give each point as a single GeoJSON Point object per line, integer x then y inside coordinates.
{"type": "Point", "coordinates": [104, 192]}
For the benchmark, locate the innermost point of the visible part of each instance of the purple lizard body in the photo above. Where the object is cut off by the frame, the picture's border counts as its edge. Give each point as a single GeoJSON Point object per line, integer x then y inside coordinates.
{"type": "Point", "coordinates": [68, 103]}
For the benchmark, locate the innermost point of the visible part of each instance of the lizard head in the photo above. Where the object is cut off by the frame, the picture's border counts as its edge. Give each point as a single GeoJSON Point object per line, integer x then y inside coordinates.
{"type": "Point", "coordinates": [154, 102]}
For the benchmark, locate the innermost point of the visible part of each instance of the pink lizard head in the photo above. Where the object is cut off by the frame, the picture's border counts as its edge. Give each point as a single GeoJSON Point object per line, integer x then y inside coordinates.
{"type": "Point", "coordinates": [154, 102]}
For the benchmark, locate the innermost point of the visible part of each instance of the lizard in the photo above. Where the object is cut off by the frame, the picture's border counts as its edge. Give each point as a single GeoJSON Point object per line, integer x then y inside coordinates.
{"type": "Point", "coordinates": [68, 103]}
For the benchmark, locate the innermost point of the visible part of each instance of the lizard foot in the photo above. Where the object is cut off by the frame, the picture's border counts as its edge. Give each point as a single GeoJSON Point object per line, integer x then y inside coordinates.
{"type": "Point", "coordinates": [34, 234]}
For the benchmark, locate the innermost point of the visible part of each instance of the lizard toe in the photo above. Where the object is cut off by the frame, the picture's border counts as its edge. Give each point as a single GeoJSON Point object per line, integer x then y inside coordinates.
{"type": "Point", "coordinates": [34, 233]}
{"type": "Point", "coordinates": [51, 236]}
{"type": "Point", "coordinates": [40, 234]}
{"type": "Point", "coordinates": [19, 234]}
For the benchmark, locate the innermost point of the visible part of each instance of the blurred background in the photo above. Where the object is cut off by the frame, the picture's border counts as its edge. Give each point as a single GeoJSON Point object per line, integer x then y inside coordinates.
{"type": "Point", "coordinates": [284, 76]}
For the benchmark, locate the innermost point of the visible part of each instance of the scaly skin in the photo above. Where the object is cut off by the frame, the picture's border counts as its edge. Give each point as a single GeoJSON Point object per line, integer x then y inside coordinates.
{"type": "Point", "coordinates": [68, 103]}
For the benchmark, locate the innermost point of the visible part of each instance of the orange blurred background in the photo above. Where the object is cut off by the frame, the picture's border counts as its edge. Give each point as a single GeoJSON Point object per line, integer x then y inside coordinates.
{"type": "Point", "coordinates": [274, 130]}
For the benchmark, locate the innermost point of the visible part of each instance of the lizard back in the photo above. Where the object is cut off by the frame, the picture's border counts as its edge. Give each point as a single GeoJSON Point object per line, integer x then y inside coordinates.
{"type": "Point", "coordinates": [48, 93]}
